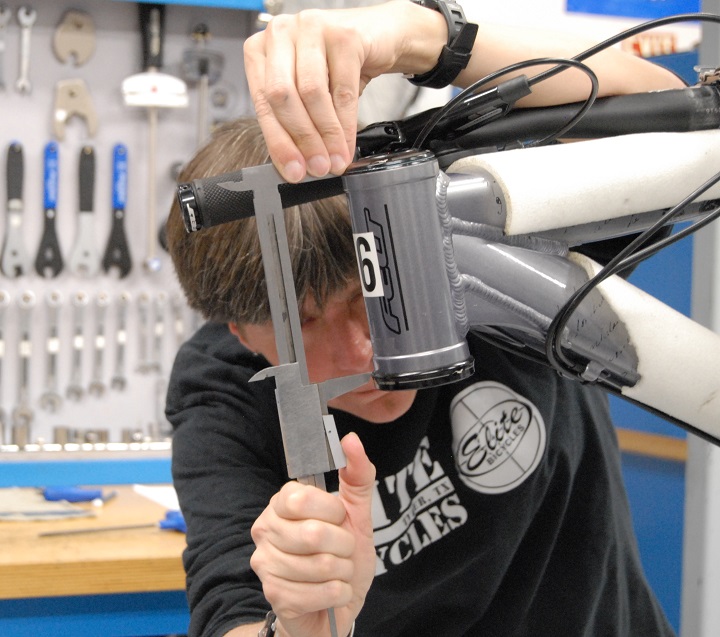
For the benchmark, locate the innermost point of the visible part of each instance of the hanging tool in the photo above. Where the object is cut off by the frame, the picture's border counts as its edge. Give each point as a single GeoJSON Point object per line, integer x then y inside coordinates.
{"type": "Point", "coordinates": [117, 251]}
{"type": "Point", "coordinates": [26, 17]}
{"type": "Point", "coordinates": [144, 365]}
{"type": "Point", "coordinates": [4, 302]}
{"type": "Point", "coordinates": [49, 260]}
{"type": "Point", "coordinates": [153, 90]}
{"type": "Point", "coordinates": [173, 521]}
{"type": "Point", "coordinates": [50, 399]}
{"type": "Point", "coordinates": [22, 415]}
{"type": "Point", "coordinates": [97, 386]}
{"type": "Point", "coordinates": [118, 381]}
{"type": "Point", "coordinates": [14, 261]}
{"type": "Point", "coordinates": [72, 99]}
{"type": "Point", "coordinates": [83, 259]}
{"type": "Point", "coordinates": [75, 389]}
{"type": "Point", "coordinates": [202, 68]}
{"type": "Point", "coordinates": [5, 15]}
{"type": "Point", "coordinates": [74, 37]}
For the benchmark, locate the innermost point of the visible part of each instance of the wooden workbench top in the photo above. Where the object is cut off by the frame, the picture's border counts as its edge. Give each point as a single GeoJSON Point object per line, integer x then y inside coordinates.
{"type": "Point", "coordinates": [123, 561]}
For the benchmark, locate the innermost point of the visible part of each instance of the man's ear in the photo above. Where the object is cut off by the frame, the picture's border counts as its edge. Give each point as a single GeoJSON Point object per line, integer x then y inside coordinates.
{"type": "Point", "coordinates": [237, 331]}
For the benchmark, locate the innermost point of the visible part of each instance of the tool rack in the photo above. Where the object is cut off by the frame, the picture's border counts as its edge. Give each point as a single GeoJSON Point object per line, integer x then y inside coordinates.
{"type": "Point", "coordinates": [84, 352]}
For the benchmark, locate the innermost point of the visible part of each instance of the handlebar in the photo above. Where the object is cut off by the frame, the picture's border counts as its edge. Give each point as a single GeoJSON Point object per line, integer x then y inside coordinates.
{"type": "Point", "coordinates": [221, 198]}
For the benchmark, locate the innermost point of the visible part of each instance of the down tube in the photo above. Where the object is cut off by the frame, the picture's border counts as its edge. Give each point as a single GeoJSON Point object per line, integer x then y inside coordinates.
{"type": "Point", "coordinates": [678, 359]}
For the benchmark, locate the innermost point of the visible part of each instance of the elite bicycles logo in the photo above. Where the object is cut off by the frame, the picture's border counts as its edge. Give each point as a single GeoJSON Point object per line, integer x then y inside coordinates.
{"type": "Point", "coordinates": [499, 437]}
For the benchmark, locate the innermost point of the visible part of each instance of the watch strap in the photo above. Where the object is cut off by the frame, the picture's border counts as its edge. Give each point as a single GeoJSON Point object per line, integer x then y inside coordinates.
{"type": "Point", "coordinates": [456, 53]}
{"type": "Point", "coordinates": [268, 628]}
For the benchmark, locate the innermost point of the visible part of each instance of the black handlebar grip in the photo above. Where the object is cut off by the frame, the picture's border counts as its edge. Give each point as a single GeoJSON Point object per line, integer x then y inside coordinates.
{"type": "Point", "coordinates": [212, 201]}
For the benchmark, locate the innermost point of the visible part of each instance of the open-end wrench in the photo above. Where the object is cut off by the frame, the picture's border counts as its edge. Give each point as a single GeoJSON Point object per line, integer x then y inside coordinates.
{"type": "Point", "coordinates": [144, 365]}
{"type": "Point", "coordinates": [83, 260]}
{"type": "Point", "coordinates": [4, 302]}
{"type": "Point", "coordinates": [26, 17]}
{"type": "Point", "coordinates": [177, 306]}
{"type": "Point", "coordinates": [117, 252]}
{"type": "Point", "coordinates": [118, 380]}
{"type": "Point", "coordinates": [159, 333]}
{"type": "Point", "coordinates": [22, 415]}
{"type": "Point", "coordinates": [5, 15]}
{"type": "Point", "coordinates": [14, 260]}
{"type": "Point", "coordinates": [97, 385]}
{"type": "Point", "coordinates": [49, 260]}
{"type": "Point", "coordinates": [74, 37]}
{"type": "Point", "coordinates": [51, 400]}
{"type": "Point", "coordinates": [75, 389]}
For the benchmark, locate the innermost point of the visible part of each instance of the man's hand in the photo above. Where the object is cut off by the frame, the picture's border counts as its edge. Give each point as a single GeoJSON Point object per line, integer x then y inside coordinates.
{"type": "Point", "coordinates": [306, 72]}
{"type": "Point", "coordinates": [315, 550]}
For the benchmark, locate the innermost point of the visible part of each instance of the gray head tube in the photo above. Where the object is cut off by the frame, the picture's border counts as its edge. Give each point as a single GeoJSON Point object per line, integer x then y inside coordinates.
{"type": "Point", "coordinates": [415, 310]}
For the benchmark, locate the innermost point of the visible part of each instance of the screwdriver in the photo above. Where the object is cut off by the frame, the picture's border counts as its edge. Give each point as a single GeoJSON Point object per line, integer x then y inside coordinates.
{"type": "Point", "coordinates": [173, 521]}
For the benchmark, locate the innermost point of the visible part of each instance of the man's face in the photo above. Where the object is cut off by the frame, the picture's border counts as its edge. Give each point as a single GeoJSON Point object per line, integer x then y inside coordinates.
{"type": "Point", "coordinates": [337, 343]}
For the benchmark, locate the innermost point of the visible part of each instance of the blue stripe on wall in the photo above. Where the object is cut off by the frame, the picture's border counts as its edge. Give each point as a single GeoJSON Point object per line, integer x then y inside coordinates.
{"type": "Point", "coordinates": [634, 8]}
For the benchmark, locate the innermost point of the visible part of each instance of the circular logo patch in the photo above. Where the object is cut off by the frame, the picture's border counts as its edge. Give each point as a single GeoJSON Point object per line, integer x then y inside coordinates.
{"type": "Point", "coordinates": [498, 437]}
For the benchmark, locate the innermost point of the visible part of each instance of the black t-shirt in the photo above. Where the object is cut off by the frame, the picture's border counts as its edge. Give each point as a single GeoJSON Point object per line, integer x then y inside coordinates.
{"type": "Point", "coordinates": [499, 506]}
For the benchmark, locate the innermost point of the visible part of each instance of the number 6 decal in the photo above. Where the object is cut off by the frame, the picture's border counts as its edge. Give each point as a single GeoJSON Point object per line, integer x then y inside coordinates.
{"type": "Point", "coordinates": [368, 264]}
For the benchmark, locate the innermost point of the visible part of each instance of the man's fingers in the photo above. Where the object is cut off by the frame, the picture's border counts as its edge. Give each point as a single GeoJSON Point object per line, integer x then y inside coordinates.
{"type": "Point", "coordinates": [305, 85]}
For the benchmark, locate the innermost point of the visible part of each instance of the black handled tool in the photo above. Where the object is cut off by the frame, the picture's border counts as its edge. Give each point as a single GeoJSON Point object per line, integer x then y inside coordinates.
{"type": "Point", "coordinates": [14, 261]}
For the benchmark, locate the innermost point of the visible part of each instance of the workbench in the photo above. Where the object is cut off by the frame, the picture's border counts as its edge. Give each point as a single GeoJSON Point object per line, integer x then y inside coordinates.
{"type": "Point", "coordinates": [115, 583]}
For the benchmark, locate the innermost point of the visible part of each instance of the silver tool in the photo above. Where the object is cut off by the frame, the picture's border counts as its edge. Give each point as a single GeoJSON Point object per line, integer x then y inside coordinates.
{"type": "Point", "coordinates": [5, 15]}
{"type": "Point", "coordinates": [23, 414]}
{"type": "Point", "coordinates": [144, 364]}
{"type": "Point", "coordinates": [50, 399]}
{"type": "Point", "coordinates": [26, 17]}
{"type": "Point", "coordinates": [74, 37]}
{"type": "Point", "coordinates": [177, 307]}
{"type": "Point", "coordinates": [97, 386]}
{"type": "Point", "coordinates": [159, 333]}
{"type": "Point", "coordinates": [75, 389]}
{"type": "Point", "coordinates": [4, 302]}
{"type": "Point", "coordinates": [119, 381]}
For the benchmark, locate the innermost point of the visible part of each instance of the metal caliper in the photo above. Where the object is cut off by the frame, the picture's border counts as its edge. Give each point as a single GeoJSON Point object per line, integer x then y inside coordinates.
{"type": "Point", "coordinates": [310, 439]}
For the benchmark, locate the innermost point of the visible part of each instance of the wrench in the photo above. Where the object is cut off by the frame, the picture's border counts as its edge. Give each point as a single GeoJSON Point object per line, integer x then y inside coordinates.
{"type": "Point", "coordinates": [14, 261]}
{"type": "Point", "coordinates": [50, 399]}
{"type": "Point", "coordinates": [83, 259]}
{"type": "Point", "coordinates": [23, 414]}
{"type": "Point", "coordinates": [49, 261]}
{"type": "Point", "coordinates": [26, 17]}
{"type": "Point", "coordinates": [4, 302]}
{"type": "Point", "coordinates": [97, 386]}
{"type": "Point", "coordinates": [118, 381]}
{"type": "Point", "coordinates": [159, 332]}
{"type": "Point", "coordinates": [5, 14]}
{"type": "Point", "coordinates": [144, 364]}
{"type": "Point", "coordinates": [117, 252]}
{"type": "Point", "coordinates": [74, 390]}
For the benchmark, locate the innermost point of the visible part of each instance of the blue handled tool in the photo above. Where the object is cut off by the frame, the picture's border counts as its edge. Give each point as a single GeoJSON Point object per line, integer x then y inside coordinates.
{"type": "Point", "coordinates": [117, 252]}
{"type": "Point", "coordinates": [49, 261]}
{"type": "Point", "coordinates": [75, 494]}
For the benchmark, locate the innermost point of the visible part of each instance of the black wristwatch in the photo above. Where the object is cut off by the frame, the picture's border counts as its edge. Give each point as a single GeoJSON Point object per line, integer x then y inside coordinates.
{"type": "Point", "coordinates": [268, 629]}
{"type": "Point", "coordinates": [457, 52]}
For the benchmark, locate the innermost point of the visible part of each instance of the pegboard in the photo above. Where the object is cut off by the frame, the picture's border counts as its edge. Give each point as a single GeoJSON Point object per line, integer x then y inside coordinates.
{"type": "Point", "coordinates": [132, 410]}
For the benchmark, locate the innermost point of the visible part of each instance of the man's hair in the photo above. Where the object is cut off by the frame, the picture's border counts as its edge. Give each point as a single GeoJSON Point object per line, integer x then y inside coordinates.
{"type": "Point", "coordinates": [220, 268]}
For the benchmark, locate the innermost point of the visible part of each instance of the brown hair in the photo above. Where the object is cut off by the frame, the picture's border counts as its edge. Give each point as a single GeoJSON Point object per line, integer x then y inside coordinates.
{"type": "Point", "coordinates": [220, 268]}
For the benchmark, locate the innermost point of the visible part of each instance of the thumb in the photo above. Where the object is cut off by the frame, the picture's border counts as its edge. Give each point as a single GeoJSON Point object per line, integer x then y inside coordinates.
{"type": "Point", "coordinates": [357, 478]}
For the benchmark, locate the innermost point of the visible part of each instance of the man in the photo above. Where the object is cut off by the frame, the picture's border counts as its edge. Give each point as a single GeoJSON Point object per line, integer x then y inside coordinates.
{"type": "Point", "coordinates": [405, 542]}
